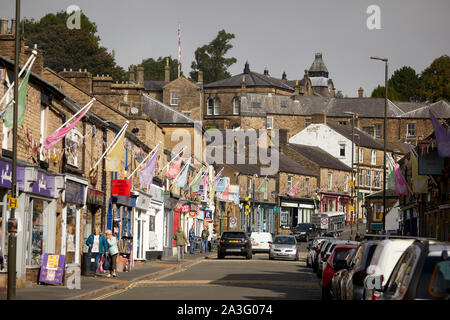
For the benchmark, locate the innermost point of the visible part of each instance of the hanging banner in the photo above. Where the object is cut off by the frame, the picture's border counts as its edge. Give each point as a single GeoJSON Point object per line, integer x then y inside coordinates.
{"type": "Point", "coordinates": [430, 163]}
{"type": "Point", "coordinates": [121, 187]}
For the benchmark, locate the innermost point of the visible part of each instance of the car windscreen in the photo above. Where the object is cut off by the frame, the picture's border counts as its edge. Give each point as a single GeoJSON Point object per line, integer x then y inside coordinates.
{"type": "Point", "coordinates": [370, 255]}
{"type": "Point", "coordinates": [340, 255]}
{"type": "Point", "coordinates": [302, 227]}
{"type": "Point", "coordinates": [284, 240]}
{"type": "Point", "coordinates": [435, 279]}
{"type": "Point", "coordinates": [233, 235]}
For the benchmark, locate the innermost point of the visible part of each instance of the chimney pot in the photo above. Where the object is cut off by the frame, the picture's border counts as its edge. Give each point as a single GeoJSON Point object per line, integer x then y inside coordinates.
{"type": "Point", "coordinates": [3, 26]}
{"type": "Point", "coordinates": [13, 26]}
{"type": "Point", "coordinates": [360, 92]}
{"type": "Point", "coordinates": [200, 76]}
{"type": "Point", "coordinates": [167, 71]}
{"type": "Point", "coordinates": [140, 75]}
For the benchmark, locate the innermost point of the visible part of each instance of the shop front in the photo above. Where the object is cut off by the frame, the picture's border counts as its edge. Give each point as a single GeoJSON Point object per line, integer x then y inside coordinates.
{"type": "Point", "coordinates": [294, 211]}
{"type": "Point", "coordinates": [73, 206]}
{"type": "Point", "coordinates": [168, 223]}
{"type": "Point", "coordinates": [333, 201]}
{"type": "Point", "coordinates": [94, 202]}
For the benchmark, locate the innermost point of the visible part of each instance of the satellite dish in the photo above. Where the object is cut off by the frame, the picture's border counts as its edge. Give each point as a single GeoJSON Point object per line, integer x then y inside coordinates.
{"type": "Point", "coordinates": [134, 110]}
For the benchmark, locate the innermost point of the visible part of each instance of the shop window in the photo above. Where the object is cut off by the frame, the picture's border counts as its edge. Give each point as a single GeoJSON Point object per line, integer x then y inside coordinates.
{"type": "Point", "coordinates": [35, 247]}
{"type": "Point", "coordinates": [72, 148]}
{"type": "Point", "coordinates": [151, 225]}
{"type": "Point", "coordinates": [71, 236]}
{"type": "Point", "coordinates": [3, 234]}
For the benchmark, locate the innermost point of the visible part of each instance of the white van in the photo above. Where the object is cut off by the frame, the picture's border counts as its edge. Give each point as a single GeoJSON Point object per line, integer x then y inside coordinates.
{"type": "Point", "coordinates": [261, 241]}
{"type": "Point", "coordinates": [384, 259]}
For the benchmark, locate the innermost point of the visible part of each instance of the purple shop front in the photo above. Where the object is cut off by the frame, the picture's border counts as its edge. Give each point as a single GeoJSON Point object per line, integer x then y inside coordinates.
{"type": "Point", "coordinates": [6, 175]}
{"type": "Point", "coordinates": [45, 185]}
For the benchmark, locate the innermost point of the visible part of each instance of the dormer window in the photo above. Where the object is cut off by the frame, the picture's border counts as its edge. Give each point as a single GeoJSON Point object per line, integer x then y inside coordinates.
{"type": "Point", "coordinates": [174, 98]}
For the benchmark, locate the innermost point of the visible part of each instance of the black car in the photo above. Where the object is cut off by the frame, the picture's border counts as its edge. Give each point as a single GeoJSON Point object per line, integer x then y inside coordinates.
{"type": "Point", "coordinates": [235, 243]}
{"type": "Point", "coordinates": [304, 231]}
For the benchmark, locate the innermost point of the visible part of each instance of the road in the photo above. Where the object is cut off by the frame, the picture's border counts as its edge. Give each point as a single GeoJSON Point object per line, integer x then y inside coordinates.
{"type": "Point", "coordinates": [233, 278]}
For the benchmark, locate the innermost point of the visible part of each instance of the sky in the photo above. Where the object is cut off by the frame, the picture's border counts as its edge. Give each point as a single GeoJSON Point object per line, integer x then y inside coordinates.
{"type": "Point", "coordinates": [282, 35]}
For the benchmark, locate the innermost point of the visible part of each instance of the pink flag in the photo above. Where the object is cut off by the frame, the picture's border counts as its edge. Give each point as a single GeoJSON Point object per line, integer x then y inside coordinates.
{"type": "Point", "coordinates": [58, 135]}
{"type": "Point", "coordinates": [172, 172]}
{"type": "Point", "coordinates": [442, 137]}
{"type": "Point", "coordinates": [401, 186]}
{"type": "Point", "coordinates": [226, 194]}
{"type": "Point", "coordinates": [204, 182]}
{"type": "Point", "coordinates": [293, 191]}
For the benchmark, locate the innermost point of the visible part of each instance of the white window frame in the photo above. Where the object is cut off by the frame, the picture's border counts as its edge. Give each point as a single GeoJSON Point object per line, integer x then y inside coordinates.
{"type": "Point", "coordinates": [174, 98]}
{"type": "Point", "coordinates": [360, 155]}
{"type": "Point", "coordinates": [289, 183]}
{"type": "Point", "coordinates": [216, 107]}
{"type": "Point", "coordinates": [373, 157]}
{"type": "Point", "coordinates": [408, 129]}
{"type": "Point", "coordinates": [210, 106]}
{"type": "Point", "coordinates": [360, 177]}
{"type": "Point", "coordinates": [330, 181]}
{"type": "Point", "coordinates": [346, 183]}
{"type": "Point", "coordinates": [236, 106]}
{"type": "Point", "coordinates": [271, 123]}
{"type": "Point", "coordinates": [249, 186]}
{"type": "Point", "coordinates": [377, 125]}
{"type": "Point", "coordinates": [368, 178]}
{"type": "Point", "coordinates": [307, 122]}
{"type": "Point", "coordinates": [341, 147]}
{"type": "Point", "coordinates": [72, 137]}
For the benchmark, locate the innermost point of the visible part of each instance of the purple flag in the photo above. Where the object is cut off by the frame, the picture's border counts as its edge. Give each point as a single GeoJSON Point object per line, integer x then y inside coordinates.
{"type": "Point", "coordinates": [442, 137]}
{"type": "Point", "coordinates": [146, 174]}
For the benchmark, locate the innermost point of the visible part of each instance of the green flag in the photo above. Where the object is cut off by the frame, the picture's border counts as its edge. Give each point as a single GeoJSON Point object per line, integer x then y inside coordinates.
{"type": "Point", "coordinates": [195, 187]}
{"type": "Point", "coordinates": [263, 186]}
{"type": "Point", "coordinates": [8, 120]}
{"type": "Point", "coordinates": [390, 177]}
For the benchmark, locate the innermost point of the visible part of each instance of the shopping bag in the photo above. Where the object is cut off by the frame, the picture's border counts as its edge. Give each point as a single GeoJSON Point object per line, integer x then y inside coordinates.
{"type": "Point", "coordinates": [106, 264]}
{"type": "Point", "coordinates": [100, 265]}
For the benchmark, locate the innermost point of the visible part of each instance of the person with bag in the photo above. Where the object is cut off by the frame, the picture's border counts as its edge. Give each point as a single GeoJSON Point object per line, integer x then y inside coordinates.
{"type": "Point", "coordinates": [113, 251]}
{"type": "Point", "coordinates": [180, 240]}
{"type": "Point", "coordinates": [97, 246]}
{"type": "Point", "coordinates": [191, 239]}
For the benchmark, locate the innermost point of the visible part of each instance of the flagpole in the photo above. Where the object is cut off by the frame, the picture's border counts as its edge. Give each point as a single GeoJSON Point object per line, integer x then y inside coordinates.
{"type": "Point", "coordinates": [112, 144]}
{"type": "Point", "coordinates": [89, 104]}
{"type": "Point", "coordinates": [168, 163]}
{"type": "Point", "coordinates": [32, 57]}
{"type": "Point", "coordinates": [151, 152]}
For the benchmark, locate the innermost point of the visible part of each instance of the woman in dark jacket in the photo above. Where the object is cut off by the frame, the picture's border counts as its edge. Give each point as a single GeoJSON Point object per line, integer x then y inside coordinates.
{"type": "Point", "coordinates": [97, 245]}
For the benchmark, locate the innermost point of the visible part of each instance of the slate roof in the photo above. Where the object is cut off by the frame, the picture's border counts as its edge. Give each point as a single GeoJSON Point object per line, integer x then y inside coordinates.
{"type": "Point", "coordinates": [364, 107]}
{"type": "Point", "coordinates": [318, 64]}
{"type": "Point", "coordinates": [252, 79]}
{"type": "Point", "coordinates": [163, 113]}
{"type": "Point", "coordinates": [153, 85]}
{"type": "Point", "coordinates": [441, 109]}
{"type": "Point", "coordinates": [364, 140]}
{"type": "Point", "coordinates": [320, 157]}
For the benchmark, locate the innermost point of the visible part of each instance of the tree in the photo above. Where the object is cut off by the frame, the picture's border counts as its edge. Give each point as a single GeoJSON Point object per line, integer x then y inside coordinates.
{"type": "Point", "coordinates": [155, 69]}
{"type": "Point", "coordinates": [435, 84]}
{"type": "Point", "coordinates": [71, 48]}
{"type": "Point", "coordinates": [210, 58]}
{"type": "Point", "coordinates": [339, 94]}
{"type": "Point", "coordinates": [405, 83]}
{"type": "Point", "coordinates": [379, 91]}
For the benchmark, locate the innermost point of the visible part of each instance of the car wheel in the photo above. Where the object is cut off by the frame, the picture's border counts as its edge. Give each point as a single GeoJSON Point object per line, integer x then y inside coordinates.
{"type": "Point", "coordinates": [270, 257]}
{"type": "Point", "coordinates": [325, 293]}
{"type": "Point", "coordinates": [220, 256]}
{"type": "Point", "coordinates": [249, 255]}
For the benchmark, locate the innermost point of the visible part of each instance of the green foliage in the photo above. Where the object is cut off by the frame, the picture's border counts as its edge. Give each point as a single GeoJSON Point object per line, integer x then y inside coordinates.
{"type": "Point", "coordinates": [379, 92]}
{"type": "Point", "coordinates": [405, 83]}
{"type": "Point", "coordinates": [155, 69]}
{"type": "Point", "coordinates": [210, 58]}
{"type": "Point", "coordinates": [71, 48]}
{"type": "Point", "coordinates": [435, 84]}
{"type": "Point", "coordinates": [339, 94]}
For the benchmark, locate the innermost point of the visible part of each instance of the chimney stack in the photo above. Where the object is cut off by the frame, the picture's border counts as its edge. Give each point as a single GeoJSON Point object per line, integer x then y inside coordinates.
{"type": "Point", "coordinates": [266, 71]}
{"type": "Point", "coordinates": [319, 118]}
{"type": "Point", "coordinates": [200, 77]}
{"type": "Point", "coordinates": [132, 74]}
{"type": "Point", "coordinates": [360, 92]}
{"type": "Point", "coordinates": [284, 76]}
{"type": "Point", "coordinates": [140, 75]}
{"type": "Point", "coordinates": [167, 72]}
{"type": "Point", "coordinates": [13, 26]}
{"type": "Point", "coordinates": [3, 26]}
{"type": "Point", "coordinates": [297, 90]}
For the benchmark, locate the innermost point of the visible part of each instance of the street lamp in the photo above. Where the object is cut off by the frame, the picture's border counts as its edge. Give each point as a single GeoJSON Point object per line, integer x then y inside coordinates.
{"type": "Point", "coordinates": [353, 177]}
{"type": "Point", "coordinates": [357, 185]}
{"type": "Point", "coordinates": [385, 60]}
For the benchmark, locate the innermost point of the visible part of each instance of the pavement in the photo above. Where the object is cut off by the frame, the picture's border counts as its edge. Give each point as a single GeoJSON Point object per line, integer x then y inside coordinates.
{"type": "Point", "coordinates": [101, 285]}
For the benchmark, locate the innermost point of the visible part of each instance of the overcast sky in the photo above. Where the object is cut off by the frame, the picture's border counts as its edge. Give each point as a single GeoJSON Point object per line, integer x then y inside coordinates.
{"type": "Point", "coordinates": [282, 35]}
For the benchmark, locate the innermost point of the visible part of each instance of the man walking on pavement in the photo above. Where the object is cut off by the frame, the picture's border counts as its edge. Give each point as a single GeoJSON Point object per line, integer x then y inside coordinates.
{"type": "Point", "coordinates": [180, 240]}
{"type": "Point", "coordinates": [205, 235]}
{"type": "Point", "coordinates": [191, 239]}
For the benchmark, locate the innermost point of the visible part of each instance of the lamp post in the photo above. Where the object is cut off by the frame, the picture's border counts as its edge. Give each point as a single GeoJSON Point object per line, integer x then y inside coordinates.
{"type": "Point", "coordinates": [353, 176]}
{"type": "Point", "coordinates": [253, 203]}
{"type": "Point", "coordinates": [357, 185]}
{"type": "Point", "coordinates": [385, 60]}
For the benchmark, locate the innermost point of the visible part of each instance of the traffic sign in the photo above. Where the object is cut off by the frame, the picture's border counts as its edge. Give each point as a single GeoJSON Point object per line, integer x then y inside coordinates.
{"type": "Point", "coordinates": [233, 222]}
{"type": "Point", "coordinates": [324, 221]}
{"type": "Point", "coordinates": [12, 202]}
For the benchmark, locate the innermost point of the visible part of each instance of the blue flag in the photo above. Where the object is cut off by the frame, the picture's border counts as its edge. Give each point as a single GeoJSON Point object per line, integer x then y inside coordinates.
{"type": "Point", "coordinates": [181, 181]}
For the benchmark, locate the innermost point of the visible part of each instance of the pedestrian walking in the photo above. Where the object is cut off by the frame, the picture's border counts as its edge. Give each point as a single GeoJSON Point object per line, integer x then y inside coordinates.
{"type": "Point", "coordinates": [113, 251]}
{"type": "Point", "coordinates": [97, 245]}
{"type": "Point", "coordinates": [191, 239]}
{"type": "Point", "coordinates": [205, 236]}
{"type": "Point", "coordinates": [180, 240]}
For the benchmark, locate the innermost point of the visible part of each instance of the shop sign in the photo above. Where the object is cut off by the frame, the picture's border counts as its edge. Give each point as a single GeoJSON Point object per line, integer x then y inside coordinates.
{"type": "Point", "coordinates": [185, 208]}
{"type": "Point", "coordinates": [143, 201]}
{"type": "Point", "coordinates": [121, 187]}
{"type": "Point", "coordinates": [156, 193]}
{"type": "Point", "coordinates": [95, 197]}
{"type": "Point", "coordinates": [430, 163]}
{"type": "Point", "coordinates": [192, 214]}
{"type": "Point", "coordinates": [6, 175]}
{"type": "Point", "coordinates": [289, 204]}
{"type": "Point", "coordinates": [126, 201]}
{"type": "Point", "coordinates": [277, 210]}
{"type": "Point", "coordinates": [52, 268]}
{"type": "Point", "coordinates": [208, 215]}
{"type": "Point", "coordinates": [45, 185]}
{"type": "Point", "coordinates": [375, 226]}
{"type": "Point", "coordinates": [74, 192]}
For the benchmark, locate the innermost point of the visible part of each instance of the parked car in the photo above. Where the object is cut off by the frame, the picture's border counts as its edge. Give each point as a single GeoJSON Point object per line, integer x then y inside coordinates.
{"type": "Point", "coordinates": [384, 260]}
{"type": "Point", "coordinates": [352, 284]}
{"type": "Point", "coordinates": [335, 263]}
{"type": "Point", "coordinates": [336, 282]}
{"type": "Point", "coordinates": [304, 231]}
{"type": "Point", "coordinates": [320, 254]}
{"type": "Point", "coordinates": [422, 272]}
{"type": "Point", "coordinates": [261, 242]}
{"type": "Point", "coordinates": [284, 247]}
{"type": "Point", "coordinates": [234, 243]}
{"type": "Point", "coordinates": [313, 250]}
{"type": "Point", "coordinates": [329, 251]}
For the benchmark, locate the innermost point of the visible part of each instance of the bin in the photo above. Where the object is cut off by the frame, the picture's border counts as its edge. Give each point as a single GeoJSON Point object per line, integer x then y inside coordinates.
{"type": "Point", "coordinates": [87, 265]}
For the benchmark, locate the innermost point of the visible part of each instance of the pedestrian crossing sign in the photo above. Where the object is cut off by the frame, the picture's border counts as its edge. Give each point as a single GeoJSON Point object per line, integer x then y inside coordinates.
{"type": "Point", "coordinates": [12, 202]}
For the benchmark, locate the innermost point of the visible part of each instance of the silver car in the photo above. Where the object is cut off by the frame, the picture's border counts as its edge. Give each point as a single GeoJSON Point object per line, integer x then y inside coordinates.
{"type": "Point", "coordinates": [284, 247]}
